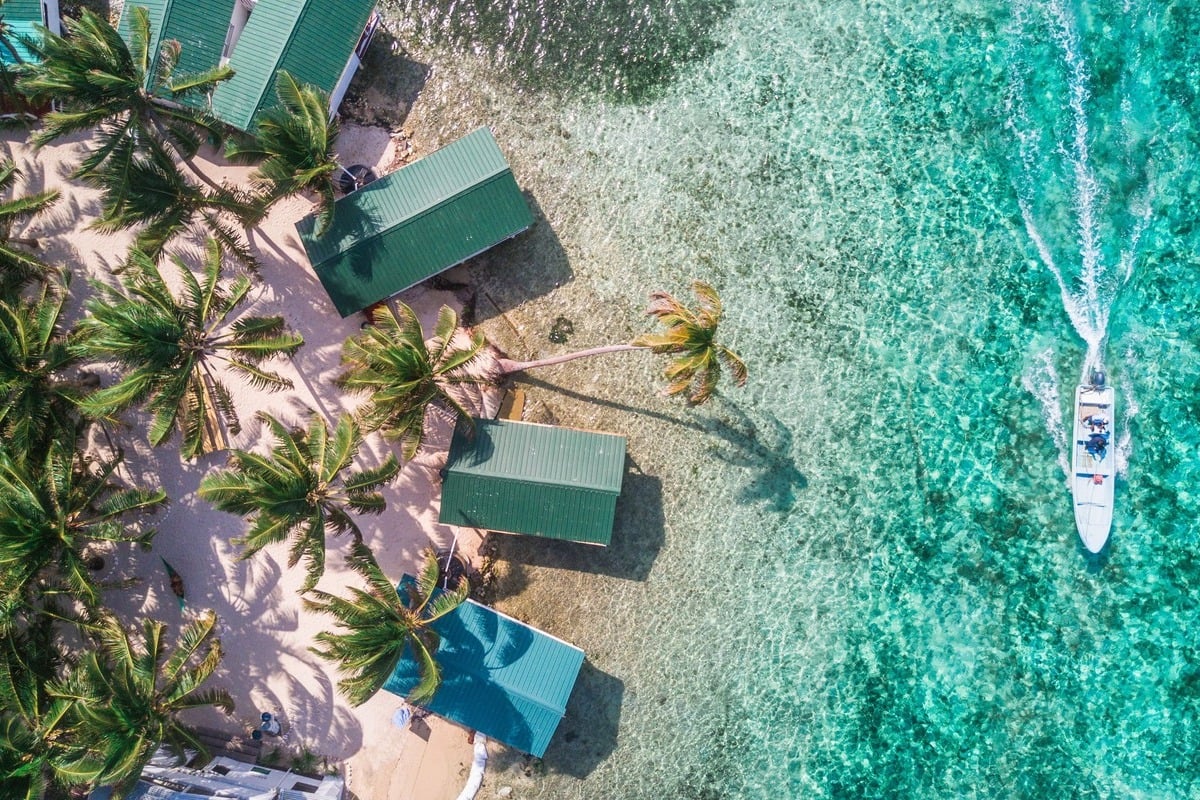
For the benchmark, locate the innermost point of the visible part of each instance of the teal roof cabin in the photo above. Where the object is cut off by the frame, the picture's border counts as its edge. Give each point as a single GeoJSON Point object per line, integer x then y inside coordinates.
{"type": "Point", "coordinates": [416, 222]}
{"type": "Point", "coordinates": [320, 42]}
{"type": "Point", "coordinates": [501, 677]}
{"type": "Point", "coordinates": [22, 17]}
{"type": "Point", "coordinates": [541, 480]}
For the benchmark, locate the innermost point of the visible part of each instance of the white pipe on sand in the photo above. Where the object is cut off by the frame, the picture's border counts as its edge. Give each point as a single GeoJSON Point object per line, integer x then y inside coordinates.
{"type": "Point", "coordinates": [475, 779]}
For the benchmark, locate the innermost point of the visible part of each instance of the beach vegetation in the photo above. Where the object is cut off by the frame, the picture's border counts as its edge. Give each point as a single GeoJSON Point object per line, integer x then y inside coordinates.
{"type": "Point", "coordinates": [39, 397]}
{"type": "Point", "coordinates": [294, 145]}
{"type": "Point", "coordinates": [53, 507]}
{"type": "Point", "coordinates": [697, 358]}
{"type": "Point", "coordinates": [170, 348]}
{"type": "Point", "coordinates": [406, 376]}
{"type": "Point", "coordinates": [379, 624]}
{"type": "Point", "coordinates": [126, 693]}
{"type": "Point", "coordinates": [18, 266]}
{"type": "Point", "coordinates": [30, 718]}
{"type": "Point", "coordinates": [303, 489]}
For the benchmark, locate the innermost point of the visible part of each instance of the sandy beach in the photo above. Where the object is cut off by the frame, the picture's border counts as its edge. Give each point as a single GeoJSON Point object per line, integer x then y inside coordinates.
{"type": "Point", "coordinates": [265, 631]}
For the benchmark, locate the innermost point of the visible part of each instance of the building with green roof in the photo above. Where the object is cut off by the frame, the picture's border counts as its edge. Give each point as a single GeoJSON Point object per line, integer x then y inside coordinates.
{"type": "Point", "coordinates": [501, 677]}
{"type": "Point", "coordinates": [22, 17]}
{"type": "Point", "coordinates": [200, 27]}
{"type": "Point", "coordinates": [540, 480]}
{"type": "Point", "coordinates": [418, 221]}
{"type": "Point", "coordinates": [319, 42]}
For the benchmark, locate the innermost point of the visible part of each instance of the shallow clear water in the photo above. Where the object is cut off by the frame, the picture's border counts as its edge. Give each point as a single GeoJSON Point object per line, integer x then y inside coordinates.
{"type": "Point", "coordinates": [858, 577]}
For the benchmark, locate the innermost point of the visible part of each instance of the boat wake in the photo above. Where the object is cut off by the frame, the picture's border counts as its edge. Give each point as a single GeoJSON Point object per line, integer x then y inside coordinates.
{"type": "Point", "coordinates": [1085, 230]}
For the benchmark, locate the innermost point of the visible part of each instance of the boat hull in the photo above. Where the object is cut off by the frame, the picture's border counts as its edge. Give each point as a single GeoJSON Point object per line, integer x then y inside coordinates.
{"type": "Point", "coordinates": [1093, 464]}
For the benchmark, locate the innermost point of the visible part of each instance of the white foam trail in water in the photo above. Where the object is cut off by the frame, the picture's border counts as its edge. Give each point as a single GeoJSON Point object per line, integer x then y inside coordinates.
{"type": "Point", "coordinates": [1041, 380]}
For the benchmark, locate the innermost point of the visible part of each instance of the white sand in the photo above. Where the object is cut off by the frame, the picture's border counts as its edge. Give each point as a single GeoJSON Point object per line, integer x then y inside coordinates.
{"type": "Point", "coordinates": [265, 630]}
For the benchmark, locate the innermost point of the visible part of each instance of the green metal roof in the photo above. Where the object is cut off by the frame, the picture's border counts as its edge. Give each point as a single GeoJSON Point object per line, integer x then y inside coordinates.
{"type": "Point", "coordinates": [311, 39]}
{"type": "Point", "coordinates": [500, 677]}
{"type": "Point", "coordinates": [21, 17]}
{"type": "Point", "coordinates": [540, 480]}
{"type": "Point", "coordinates": [418, 221]}
{"type": "Point", "coordinates": [198, 25]}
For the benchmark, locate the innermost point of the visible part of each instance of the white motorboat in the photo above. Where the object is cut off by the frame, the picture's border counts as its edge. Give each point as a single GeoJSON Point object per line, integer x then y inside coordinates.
{"type": "Point", "coordinates": [1094, 461]}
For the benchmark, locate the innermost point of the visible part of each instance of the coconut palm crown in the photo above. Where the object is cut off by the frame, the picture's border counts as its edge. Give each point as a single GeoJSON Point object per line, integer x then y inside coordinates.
{"type": "Point", "coordinates": [381, 623]}
{"type": "Point", "coordinates": [125, 696]}
{"type": "Point", "coordinates": [171, 347]}
{"type": "Point", "coordinates": [17, 265]}
{"type": "Point", "coordinates": [295, 141]}
{"type": "Point", "coordinates": [303, 489]}
{"type": "Point", "coordinates": [407, 376]}
{"type": "Point", "coordinates": [51, 509]}
{"type": "Point", "coordinates": [690, 337]}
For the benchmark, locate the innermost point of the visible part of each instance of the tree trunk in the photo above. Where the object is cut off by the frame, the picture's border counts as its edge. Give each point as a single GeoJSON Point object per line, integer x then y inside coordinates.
{"type": "Point", "coordinates": [508, 366]}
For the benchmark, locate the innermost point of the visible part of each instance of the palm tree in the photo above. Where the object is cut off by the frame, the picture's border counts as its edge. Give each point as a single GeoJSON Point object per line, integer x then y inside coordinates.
{"type": "Point", "coordinates": [405, 375]}
{"type": "Point", "coordinates": [38, 403]}
{"type": "Point", "coordinates": [383, 622]}
{"type": "Point", "coordinates": [303, 489]}
{"type": "Point", "coordinates": [51, 509]}
{"type": "Point", "coordinates": [17, 266]}
{"type": "Point", "coordinates": [128, 94]}
{"type": "Point", "coordinates": [295, 141]}
{"type": "Point", "coordinates": [29, 720]}
{"type": "Point", "coordinates": [170, 348]}
{"type": "Point", "coordinates": [125, 696]}
{"type": "Point", "coordinates": [690, 337]}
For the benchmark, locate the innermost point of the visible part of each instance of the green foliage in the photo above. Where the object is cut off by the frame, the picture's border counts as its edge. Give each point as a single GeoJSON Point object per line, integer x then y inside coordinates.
{"type": "Point", "coordinates": [38, 403]}
{"type": "Point", "coordinates": [124, 698]}
{"type": "Point", "coordinates": [380, 623]}
{"type": "Point", "coordinates": [691, 338]}
{"type": "Point", "coordinates": [17, 265]}
{"type": "Point", "coordinates": [295, 141]}
{"type": "Point", "coordinates": [302, 489]}
{"type": "Point", "coordinates": [51, 509]}
{"type": "Point", "coordinates": [170, 347]}
{"type": "Point", "coordinates": [406, 376]}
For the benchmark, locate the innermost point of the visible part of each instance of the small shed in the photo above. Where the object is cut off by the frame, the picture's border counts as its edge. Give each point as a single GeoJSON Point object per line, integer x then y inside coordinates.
{"type": "Point", "coordinates": [541, 480]}
{"type": "Point", "coordinates": [23, 18]}
{"type": "Point", "coordinates": [416, 222]}
{"type": "Point", "coordinates": [500, 677]}
{"type": "Point", "coordinates": [319, 42]}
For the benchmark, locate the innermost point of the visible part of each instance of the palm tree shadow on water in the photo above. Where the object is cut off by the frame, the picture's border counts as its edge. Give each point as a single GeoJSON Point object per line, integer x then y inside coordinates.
{"type": "Point", "coordinates": [626, 50]}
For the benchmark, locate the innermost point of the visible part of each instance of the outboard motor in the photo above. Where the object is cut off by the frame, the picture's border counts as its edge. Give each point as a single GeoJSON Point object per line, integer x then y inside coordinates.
{"type": "Point", "coordinates": [1098, 379]}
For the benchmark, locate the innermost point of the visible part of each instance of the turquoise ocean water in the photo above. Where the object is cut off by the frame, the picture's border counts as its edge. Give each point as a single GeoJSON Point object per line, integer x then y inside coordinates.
{"type": "Point", "coordinates": [859, 576]}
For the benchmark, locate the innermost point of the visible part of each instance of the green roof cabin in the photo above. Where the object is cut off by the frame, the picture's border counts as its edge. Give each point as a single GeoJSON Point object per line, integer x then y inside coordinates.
{"type": "Point", "coordinates": [22, 18]}
{"type": "Point", "coordinates": [500, 677]}
{"type": "Point", "coordinates": [318, 41]}
{"type": "Point", "coordinates": [541, 480]}
{"type": "Point", "coordinates": [416, 222]}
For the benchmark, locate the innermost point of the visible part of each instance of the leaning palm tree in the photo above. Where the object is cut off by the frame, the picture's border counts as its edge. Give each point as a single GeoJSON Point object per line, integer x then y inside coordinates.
{"type": "Point", "coordinates": [51, 509]}
{"type": "Point", "coordinates": [303, 489]}
{"type": "Point", "coordinates": [690, 337]}
{"type": "Point", "coordinates": [407, 376]}
{"type": "Point", "coordinates": [128, 94]}
{"type": "Point", "coordinates": [295, 141]}
{"type": "Point", "coordinates": [125, 698]}
{"type": "Point", "coordinates": [381, 623]}
{"type": "Point", "coordinates": [17, 265]}
{"type": "Point", "coordinates": [38, 399]}
{"type": "Point", "coordinates": [171, 347]}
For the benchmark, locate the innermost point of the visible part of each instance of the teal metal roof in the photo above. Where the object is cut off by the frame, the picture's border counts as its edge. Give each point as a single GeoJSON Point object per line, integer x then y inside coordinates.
{"type": "Point", "coordinates": [416, 222]}
{"type": "Point", "coordinates": [540, 480]}
{"type": "Point", "coordinates": [22, 18]}
{"type": "Point", "coordinates": [198, 25]}
{"type": "Point", "coordinates": [500, 677]}
{"type": "Point", "coordinates": [311, 39]}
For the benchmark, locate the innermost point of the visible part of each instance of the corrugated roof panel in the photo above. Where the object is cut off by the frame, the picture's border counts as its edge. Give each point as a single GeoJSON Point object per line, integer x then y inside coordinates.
{"type": "Point", "coordinates": [500, 676]}
{"type": "Point", "coordinates": [538, 480]}
{"type": "Point", "coordinates": [311, 39]}
{"type": "Point", "coordinates": [198, 25]}
{"type": "Point", "coordinates": [418, 221]}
